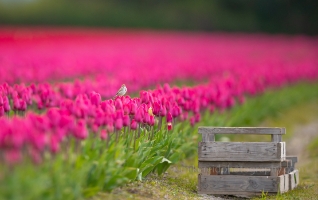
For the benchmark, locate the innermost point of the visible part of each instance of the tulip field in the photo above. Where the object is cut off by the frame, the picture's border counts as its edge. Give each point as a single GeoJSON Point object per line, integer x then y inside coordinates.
{"type": "Point", "coordinates": [63, 135]}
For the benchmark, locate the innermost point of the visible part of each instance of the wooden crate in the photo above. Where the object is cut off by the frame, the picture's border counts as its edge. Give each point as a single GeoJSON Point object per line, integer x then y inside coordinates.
{"type": "Point", "coordinates": [245, 168]}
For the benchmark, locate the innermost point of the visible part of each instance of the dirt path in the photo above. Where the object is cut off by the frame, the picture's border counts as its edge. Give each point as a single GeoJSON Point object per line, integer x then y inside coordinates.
{"type": "Point", "coordinates": [302, 136]}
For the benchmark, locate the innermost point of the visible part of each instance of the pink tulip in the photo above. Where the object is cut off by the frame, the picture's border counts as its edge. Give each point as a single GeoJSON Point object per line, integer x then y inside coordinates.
{"type": "Point", "coordinates": [175, 111]}
{"type": "Point", "coordinates": [133, 108]}
{"type": "Point", "coordinates": [110, 128]}
{"type": "Point", "coordinates": [95, 98]}
{"type": "Point", "coordinates": [118, 104]}
{"type": "Point", "coordinates": [23, 105]}
{"type": "Point", "coordinates": [197, 117]}
{"type": "Point", "coordinates": [163, 112]}
{"type": "Point", "coordinates": [151, 121]}
{"type": "Point", "coordinates": [169, 126]}
{"type": "Point", "coordinates": [80, 131]}
{"type": "Point", "coordinates": [144, 96]}
{"type": "Point", "coordinates": [126, 109]}
{"type": "Point", "coordinates": [54, 145]}
{"type": "Point", "coordinates": [139, 115]}
{"type": "Point", "coordinates": [103, 135]}
{"type": "Point", "coordinates": [157, 108]}
{"type": "Point", "coordinates": [16, 103]}
{"type": "Point", "coordinates": [133, 125]}
{"type": "Point", "coordinates": [118, 123]}
{"type": "Point", "coordinates": [169, 117]}
{"type": "Point", "coordinates": [192, 121]}
{"type": "Point", "coordinates": [126, 120]}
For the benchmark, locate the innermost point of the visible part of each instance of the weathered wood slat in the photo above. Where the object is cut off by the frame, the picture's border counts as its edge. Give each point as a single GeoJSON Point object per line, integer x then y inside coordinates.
{"type": "Point", "coordinates": [208, 137]}
{"type": "Point", "coordinates": [242, 130]}
{"type": "Point", "coordinates": [256, 173]}
{"type": "Point", "coordinates": [276, 138]}
{"type": "Point", "coordinates": [293, 160]}
{"type": "Point", "coordinates": [239, 194]}
{"type": "Point", "coordinates": [240, 164]}
{"type": "Point", "coordinates": [237, 184]}
{"type": "Point", "coordinates": [241, 151]}
{"type": "Point", "coordinates": [286, 182]}
{"type": "Point", "coordinates": [293, 179]}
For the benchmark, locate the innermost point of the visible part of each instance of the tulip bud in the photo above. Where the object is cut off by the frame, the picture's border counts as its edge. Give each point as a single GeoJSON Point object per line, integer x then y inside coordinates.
{"type": "Point", "coordinates": [16, 103]}
{"type": "Point", "coordinates": [110, 128]}
{"type": "Point", "coordinates": [54, 145]}
{"type": "Point", "coordinates": [157, 108]}
{"type": "Point", "coordinates": [144, 96]}
{"type": "Point", "coordinates": [139, 115]}
{"type": "Point", "coordinates": [81, 131]}
{"type": "Point", "coordinates": [23, 105]}
{"type": "Point", "coordinates": [192, 121]}
{"type": "Point", "coordinates": [152, 120]}
{"type": "Point", "coordinates": [103, 135]}
{"type": "Point", "coordinates": [119, 123]}
{"type": "Point", "coordinates": [166, 88]}
{"type": "Point", "coordinates": [133, 125]}
{"type": "Point", "coordinates": [119, 114]}
{"type": "Point", "coordinates": [197, 117]}
{"type": "Point", "coordinates": [163, 111]}
{"type": "Point", "coordinates": [133, 108]}
{"type": "Point", "coordinates": [126, 120]}
{"type": "Point", "coordinates": [95, 98]}
{"type": "Point", "coordinates": [169, 126]}
{"type": "Point", "coordinates": [169, 117]}
{"type": "Point", "coordinates": [118, 104]}
{"type": "Point", "coordinates": [146, 118]}
{"type": "Point", "coordinates": [175, 111]}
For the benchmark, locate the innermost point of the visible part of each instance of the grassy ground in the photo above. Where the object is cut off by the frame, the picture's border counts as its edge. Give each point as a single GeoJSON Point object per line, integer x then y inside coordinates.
{"type": "Point", "coordinates": [180, 181]}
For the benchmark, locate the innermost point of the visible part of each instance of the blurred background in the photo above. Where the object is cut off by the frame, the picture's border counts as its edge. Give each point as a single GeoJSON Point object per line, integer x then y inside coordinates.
{"type": "Point", "coordinates": [281, 16]}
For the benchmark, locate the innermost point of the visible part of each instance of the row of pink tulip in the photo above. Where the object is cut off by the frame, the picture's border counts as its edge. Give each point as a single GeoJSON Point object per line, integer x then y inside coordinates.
{"type": "Point", "coordinates": [73, 118]}
{"type": "Point", "coordinates": [104, 59]}
{"type": "Point", "coordinates": [90, 113]}
{"type": "Point", "coordinates": [231, 66]}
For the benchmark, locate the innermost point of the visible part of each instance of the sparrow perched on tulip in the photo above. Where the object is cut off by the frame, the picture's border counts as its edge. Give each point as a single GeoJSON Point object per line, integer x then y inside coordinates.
{"type": "Point", "coordinates": [122, 91]}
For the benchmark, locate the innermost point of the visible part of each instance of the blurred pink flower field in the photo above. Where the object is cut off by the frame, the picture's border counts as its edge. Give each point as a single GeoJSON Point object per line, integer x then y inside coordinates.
{"type": "Point", "coordinates": [56, 85]}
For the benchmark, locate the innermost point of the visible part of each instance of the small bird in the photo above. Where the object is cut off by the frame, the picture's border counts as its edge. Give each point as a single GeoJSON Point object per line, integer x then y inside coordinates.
{"type": "Point", "coordinates": [121, 92]}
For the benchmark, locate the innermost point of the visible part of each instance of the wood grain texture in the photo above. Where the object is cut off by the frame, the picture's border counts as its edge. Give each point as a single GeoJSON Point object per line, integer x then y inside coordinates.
{"type": "Point", "coordinates": [241, 151]}
{"type": "Point", "coordinates": [242, 130]}
{"type": "Point", "coordinates": [208, 137]}
{"type": "Point", "coordinates": [239, 184]}
{"type": "Point", "coordinates": [240, 164]}
{"type": "Point", "coordinates": [256, 173]}
{"type": "Point", "coordinates": [276, 138]}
